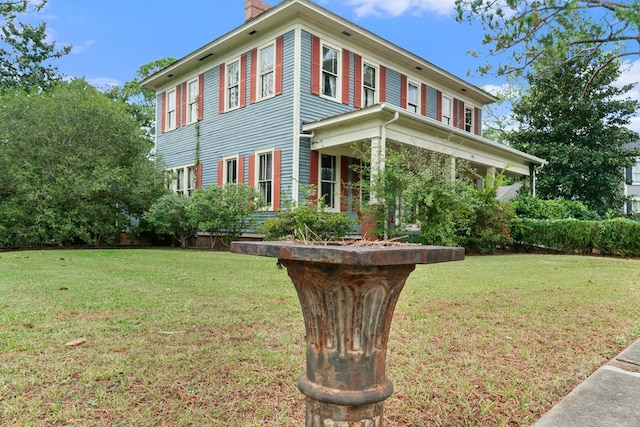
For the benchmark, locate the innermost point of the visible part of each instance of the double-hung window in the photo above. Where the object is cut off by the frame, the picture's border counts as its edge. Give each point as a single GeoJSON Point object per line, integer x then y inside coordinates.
{"type": "Point", "coordinates": [368, 85]}
{"type": "Point", "coordinates": [413, 98]}
{"type": "Point", "coordinates": [183, 180]}
{"type": "Point", "coordinates": [265, 177]}
{"type": "Point", "coordinates": [468, 119]}
{"type": "Point", "coordinates": [193, 94]}
{"type": "Point", "coordinates": [266, 79]}
{"type": "Point", "coordinates": [233, 85]}
{"type": "Point", "coordinates": [446, 110]}
{"type": "Point", "coordinates": [171, 110]}
{"type": "Point", "coordinates": [330, 74]}
{"type": "Point", "coordinates": [328, 179]}
{"type": "Point", "coordinates": [635, 173]}
{"type": "Point", "coordinates": [230, 170]}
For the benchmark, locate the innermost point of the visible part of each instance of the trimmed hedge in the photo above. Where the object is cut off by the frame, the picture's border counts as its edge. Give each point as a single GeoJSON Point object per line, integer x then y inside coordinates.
{"type": "Point", "coordinates": [617, 236]}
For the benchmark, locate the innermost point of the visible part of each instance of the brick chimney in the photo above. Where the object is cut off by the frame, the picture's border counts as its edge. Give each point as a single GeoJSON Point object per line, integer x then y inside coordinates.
{"type": "Point", "coordinates": [253, 8]}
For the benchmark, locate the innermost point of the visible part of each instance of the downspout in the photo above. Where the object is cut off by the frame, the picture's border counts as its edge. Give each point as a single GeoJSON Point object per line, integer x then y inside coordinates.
{"type": "Point", "coordinates": [381, 167]}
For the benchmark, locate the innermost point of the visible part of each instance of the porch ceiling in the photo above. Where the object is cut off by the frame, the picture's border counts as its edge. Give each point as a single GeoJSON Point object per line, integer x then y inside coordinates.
{"type": "Point", "coordinates": [416, 130]}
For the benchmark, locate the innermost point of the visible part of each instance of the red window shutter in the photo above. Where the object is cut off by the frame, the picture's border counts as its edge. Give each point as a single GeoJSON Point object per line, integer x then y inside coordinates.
{"type": "Point", "coordinates": [455, 113]}
{"type": "Point", "coordinates": [313, 174]}
{"type": "Point", "coordinates": [199, 176]}
{"type": "Point", "coordinates": [221, 89]}
{"type": "Point", "coordinates": [346, 71]}
{"type": "Point", "coordinates": [178, 116]}
{"type": "Point", "coordinates": [184, 103]}
{"type": "Point", "coordinates": [277, 178]}
{"type": "Point", "coordinates": [253, 84]}
{"type": "Point", "coordinates": [439, 105]}
{"type": "Point", "coordinates": [315, 65]}
{"type": "Point", "coordinates": [462, 115]}
{"type": "Point", "coordinates": [252, 170]}
{"type": "Point", "coordinates": [423, 94]}
{"type": "Point", "coordinates": [220, 170]}
{"type": "Point", "coordinates": [383, 84]}
{"type": "Point", "coordinates": [357, 81]}
{"type": "Point", "coordinates": [163, 118]}
{"type": "Point", "coordinates": [403, 90]}
{"type": "Point", "coordinates": [476, 121]}
{"type": "Point", "coordinates": [344, 183]}
{"type": "Point", "coordinates": [241, 170]}
{"type": "Point", "coordinates": [200, 96]}
{"type": "Point", "coordinates": [243, 81]}
{"type": "Point", "coordinates": [279, 64]}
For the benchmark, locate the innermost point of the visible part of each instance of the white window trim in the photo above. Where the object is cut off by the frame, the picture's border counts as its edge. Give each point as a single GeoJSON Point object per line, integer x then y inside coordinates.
{"type": "Point", "coordinates": [635, 167]}
{"type": "Point", "coordinates": [173, 185]}
{"type": "Point", "coordinates": [336, 189]}
{"type": "Point", "coordinates": [194, 119]}
{"type": "Point", "coordinates": [168, 124]}
{"type": "Point", "coordinates": [259, 87]}
{"type": "Point", "coordinates": [449, 115]}
{"type": "Point", "coordinates": [419, 96]}
{"type": "Point", "coordinates": [226, 83]}
{"type": "Point", "coordinates": [338, 97]}
{"type": "Point", "coordinates": [268, 207]}
{"type": "Point", "coordinates": [225, 174]}
{"type": "Point", "coordinates": [468, 108]}
{"type": "Point", "coordinates": [376, 89]}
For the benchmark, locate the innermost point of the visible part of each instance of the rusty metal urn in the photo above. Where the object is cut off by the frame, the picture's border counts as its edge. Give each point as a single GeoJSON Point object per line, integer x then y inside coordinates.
{"type": "Point", "coordinates": [348, 295]}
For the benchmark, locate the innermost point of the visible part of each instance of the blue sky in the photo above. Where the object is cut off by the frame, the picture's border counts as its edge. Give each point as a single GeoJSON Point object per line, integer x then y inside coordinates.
{"type": "Point", "coordinates": [112, 38]}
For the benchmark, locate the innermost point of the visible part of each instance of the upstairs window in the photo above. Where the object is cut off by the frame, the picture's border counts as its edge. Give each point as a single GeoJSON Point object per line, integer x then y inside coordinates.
{"type": "Point", "coordinates": [468, 119]}
{"type": "Point", "coordinates": [265, 177]}
{"type": "Point", "coordinates": [413, 98]}
{"type": "Point", "coordinates": [233, 85]}
{"type": "Point", "coordinates": [368, 85]}
{"type": "Point", "coordinates": [446, 110]}
{"type": "Point", "coordinates": [171, 110]}
{"type": "Point", "coordinates": [266, 79]}
{"type": "Point", "coordinates": [193, 88]}
{"type": "Point", "coordinates": [635, 173]}
{"type": "Point", "coordinates": [329, 72]}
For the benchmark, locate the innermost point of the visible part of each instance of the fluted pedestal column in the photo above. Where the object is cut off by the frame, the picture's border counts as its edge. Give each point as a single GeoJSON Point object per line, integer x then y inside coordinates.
{"type": "Point", "coordinates": [348, 295]}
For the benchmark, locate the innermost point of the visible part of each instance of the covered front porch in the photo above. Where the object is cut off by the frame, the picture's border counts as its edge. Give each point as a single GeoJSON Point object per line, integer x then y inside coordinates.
{"type": "Point", "coordinates": [339, 142]}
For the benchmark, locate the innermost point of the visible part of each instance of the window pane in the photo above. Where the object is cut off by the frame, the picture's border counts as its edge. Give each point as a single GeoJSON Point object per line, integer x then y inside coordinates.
{"type": "Point", "coordinates": [327, 191]}
{"type": "Point", "coordinates": [328, 166]}
{"type": "Point", "coordinates": [266, 59]}
{"type": "Point", "coordinates": [446, 110]}
{"type": "Point", "coordinates": [267, 85]}
{"type": "Point", "coordinates": [193, 91]}
{"type": "Point", "coordinates": [330, 60]}
{"type": "Point", "coordinates": [329, 85]}
{"type": "Point", "coordinates": [369, 77]}
{"type": "Point", "coordinates": [233, 75]}
{"type": "Point", "coordinates": [635, 173]}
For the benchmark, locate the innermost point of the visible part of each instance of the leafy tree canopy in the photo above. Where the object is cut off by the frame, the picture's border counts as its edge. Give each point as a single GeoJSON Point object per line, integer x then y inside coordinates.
{"type": "Point", "coordinates": [581, 134]}
{"type": "Point", "coordinates": [549, 32]}
{"type": "Point", "coordinates": [25, 53]}
{"type": "Point", "coordinates": [74, 166]}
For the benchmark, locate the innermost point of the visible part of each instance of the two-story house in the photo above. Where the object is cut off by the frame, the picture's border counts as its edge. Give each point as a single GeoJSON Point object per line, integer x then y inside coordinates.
{"type": "Point", "coordinates": [631, 188]}
{"type": "Point", "coordinates": [281, 101]}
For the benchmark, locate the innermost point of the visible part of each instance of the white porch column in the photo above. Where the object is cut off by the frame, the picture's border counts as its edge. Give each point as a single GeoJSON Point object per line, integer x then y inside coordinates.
{"type": "Point", "coordinates": [377, 164]}
{"type": "Point", "coordinates": [491, 177]}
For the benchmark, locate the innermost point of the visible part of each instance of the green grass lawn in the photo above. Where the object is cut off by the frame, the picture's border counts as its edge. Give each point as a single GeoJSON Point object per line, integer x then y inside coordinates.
{"type": "Point", "coordinates": [197, 338]}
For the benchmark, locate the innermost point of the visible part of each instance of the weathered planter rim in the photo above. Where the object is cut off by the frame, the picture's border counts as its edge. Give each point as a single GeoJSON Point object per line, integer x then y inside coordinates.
{"type": "Point", "coordinates": [350, 254]}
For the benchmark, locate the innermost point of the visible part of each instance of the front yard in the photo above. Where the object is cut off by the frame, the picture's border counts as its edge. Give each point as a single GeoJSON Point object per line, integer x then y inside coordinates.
{"type": "Point", "coordinates": [186, 338]}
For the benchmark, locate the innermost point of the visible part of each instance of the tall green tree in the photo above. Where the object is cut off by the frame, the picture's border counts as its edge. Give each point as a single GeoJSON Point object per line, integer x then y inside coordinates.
{"type": "Point", "coordinates": [25, 54]}
{"type": "Point", "coordinates": [75, 165]}
{"type": "Point", "coordinates": [581, 134]}
{"type": "Point", "coordinates": [545, 33]}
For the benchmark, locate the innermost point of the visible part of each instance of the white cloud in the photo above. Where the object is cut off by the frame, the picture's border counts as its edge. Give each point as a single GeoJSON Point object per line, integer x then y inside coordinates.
{"type": "Point", "coordinates": [79, 49]}
{"type": "Point", "coordinates": [103, 82]}
{"type": "Point", "coordinates": [400, 7]}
